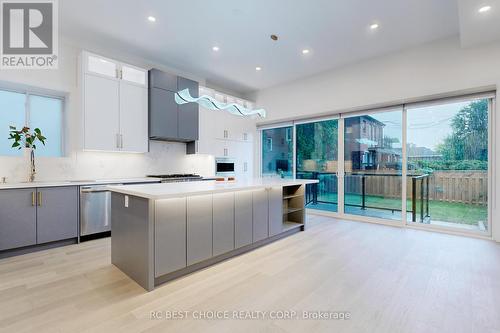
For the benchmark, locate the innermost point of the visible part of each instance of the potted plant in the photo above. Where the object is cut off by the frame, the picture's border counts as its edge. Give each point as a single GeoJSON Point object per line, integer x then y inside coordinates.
{"type": "Point", "coordinates": [24, 139]}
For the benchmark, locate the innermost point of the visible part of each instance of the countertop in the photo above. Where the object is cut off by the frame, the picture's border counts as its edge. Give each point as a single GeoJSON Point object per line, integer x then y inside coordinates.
{"type": "Point", "coordinates": [79, 182]}
{"type": "Point", "coordinates": [172, 190]}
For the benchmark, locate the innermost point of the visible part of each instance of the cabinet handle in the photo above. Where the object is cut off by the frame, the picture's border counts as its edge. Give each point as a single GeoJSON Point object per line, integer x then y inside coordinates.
{"type": "Point", "coordinates": [245, 136]}
{"type": "Point", "coordinates": [40, 199]}
{"type": "Point", "coordinates": [117, 140]}
{"type": "Point", "coordinates": [121, 141]}
{"type": "Point", "coordinates": [245, 167]}
{"type": "Point", "coordinates": [225, 151]}
{"type": "Point", "coordinates": [225, 134]}
{"type": "Point", "coordinates": [33, 198]}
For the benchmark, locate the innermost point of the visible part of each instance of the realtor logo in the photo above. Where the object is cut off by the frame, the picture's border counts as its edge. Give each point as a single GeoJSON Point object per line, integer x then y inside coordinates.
{"type": "Point", "coordinates": [29, 34]}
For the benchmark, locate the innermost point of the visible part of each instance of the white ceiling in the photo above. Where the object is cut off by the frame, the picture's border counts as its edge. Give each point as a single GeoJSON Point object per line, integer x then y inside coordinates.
{"type": "Point", "coordinates": [479, 28]}
{"type": "Point", "coordinates": [336, 31]}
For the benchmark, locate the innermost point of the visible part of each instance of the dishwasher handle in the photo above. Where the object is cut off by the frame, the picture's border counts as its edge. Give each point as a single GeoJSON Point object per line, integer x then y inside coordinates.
{"type": "Point", "coordinates": [96, 189]}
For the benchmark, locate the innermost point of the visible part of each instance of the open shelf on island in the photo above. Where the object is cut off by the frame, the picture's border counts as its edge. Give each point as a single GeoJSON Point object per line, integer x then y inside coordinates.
{"type": "Point", "coordinates": [287, 225]}
{"type": "Point", "coordinates": [292, 196]}
{"type": "Point", "coordinates": [291, 210]}
{"type": "Point", "coordinates": [293, 207]}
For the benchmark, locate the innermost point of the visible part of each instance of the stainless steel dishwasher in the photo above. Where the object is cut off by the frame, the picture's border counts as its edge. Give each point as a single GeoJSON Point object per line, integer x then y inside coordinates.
{"type": "Point", "coordinates": [95, 209]}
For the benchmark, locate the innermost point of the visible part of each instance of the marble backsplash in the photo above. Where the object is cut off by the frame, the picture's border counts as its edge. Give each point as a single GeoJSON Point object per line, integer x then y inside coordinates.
{"type": "Point", "coordinates": [164, 157]}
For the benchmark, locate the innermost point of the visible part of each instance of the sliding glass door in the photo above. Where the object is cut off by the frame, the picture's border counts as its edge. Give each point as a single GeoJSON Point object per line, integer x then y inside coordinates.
{"type": "Point", "coordinates": [447, 154]}
{"type": "Point", "coordinates": [373, 165]}
{"type": "Point", "coordinates": [317, 158]}
{"type": "Point", "coordinates": [277, 152]}
{"type": "Point", "coordinates": [419, 164]}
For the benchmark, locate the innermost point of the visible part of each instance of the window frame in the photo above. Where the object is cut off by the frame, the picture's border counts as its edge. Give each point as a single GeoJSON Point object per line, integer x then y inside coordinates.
{"type": "Point", "coordinates": [29, 91]}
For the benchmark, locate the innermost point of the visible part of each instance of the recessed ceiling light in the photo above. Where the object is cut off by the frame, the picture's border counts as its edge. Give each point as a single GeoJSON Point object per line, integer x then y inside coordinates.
{"type": "Point", "coordinates": [305, 51]}
{"type": "Point", "coordinates": [484, 9]}
{"type": "Point", "coordinates": [151, 19]}
{"type": "Point", "coordinates": [374, 26]}
{"type": "Point", "coordinates": [215, 48]}
{"type": "Point", "coordinates": [258, 68]}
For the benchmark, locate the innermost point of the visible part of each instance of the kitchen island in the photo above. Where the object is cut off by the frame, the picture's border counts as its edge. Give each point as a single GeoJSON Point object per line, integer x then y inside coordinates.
{"type": "Point", "coordinates": [164, 231]}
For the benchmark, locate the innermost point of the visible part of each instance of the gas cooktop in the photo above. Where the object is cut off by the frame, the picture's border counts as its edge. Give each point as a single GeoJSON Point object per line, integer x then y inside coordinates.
{"type": "Point", "coordinates": [178, 177]}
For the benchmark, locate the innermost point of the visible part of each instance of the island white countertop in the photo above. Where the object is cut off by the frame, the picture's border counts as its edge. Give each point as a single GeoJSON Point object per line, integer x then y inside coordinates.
{"type": "Point", "coordinates": [6, 186]}
{"type": "Point", "coordinates": [172, 190]}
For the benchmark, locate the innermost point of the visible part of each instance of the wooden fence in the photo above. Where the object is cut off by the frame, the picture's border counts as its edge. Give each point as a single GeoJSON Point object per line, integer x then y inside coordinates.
{"type": "Point", "coordinates": [470, 187]}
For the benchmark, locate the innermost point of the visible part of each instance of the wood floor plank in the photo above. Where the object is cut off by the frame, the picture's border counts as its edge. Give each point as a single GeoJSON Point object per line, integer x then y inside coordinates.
{"type": "Point", "coordinates": [389, 280]}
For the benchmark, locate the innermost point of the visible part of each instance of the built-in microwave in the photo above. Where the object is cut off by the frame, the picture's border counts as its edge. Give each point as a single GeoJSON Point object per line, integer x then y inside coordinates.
{"type": "Point", "coordinates": [224, 166]}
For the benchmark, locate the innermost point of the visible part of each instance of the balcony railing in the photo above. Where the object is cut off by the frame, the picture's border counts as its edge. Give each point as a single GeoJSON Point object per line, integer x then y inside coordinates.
{"type": "Point", "coordinates": [328, 185]}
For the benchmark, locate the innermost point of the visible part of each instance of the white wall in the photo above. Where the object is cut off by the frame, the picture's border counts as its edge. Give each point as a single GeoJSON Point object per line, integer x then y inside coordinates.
{"type": "Point", "coordinates": [437, 68]}
{"type": "Point", "coordinates": [163, 157]}
{"type": "Point", "coordinates": [432, 70]}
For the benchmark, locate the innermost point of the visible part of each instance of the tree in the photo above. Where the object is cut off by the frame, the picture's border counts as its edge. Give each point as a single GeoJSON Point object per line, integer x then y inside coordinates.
{"type": "Point", "coordinates": [469, 139]}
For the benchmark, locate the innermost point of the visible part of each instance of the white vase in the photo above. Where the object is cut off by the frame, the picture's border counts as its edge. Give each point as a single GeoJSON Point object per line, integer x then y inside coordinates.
{"type": "Point", "coordinates": [29, 162]}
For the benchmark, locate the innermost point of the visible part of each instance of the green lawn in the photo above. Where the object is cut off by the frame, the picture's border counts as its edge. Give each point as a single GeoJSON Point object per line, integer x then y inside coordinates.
{"type": "Point", "coordinates": [439, 211]}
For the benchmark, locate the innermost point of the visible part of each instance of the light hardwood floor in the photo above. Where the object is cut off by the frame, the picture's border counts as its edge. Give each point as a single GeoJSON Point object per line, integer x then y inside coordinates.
{"type": "Point", "coordinates": [389, 279]}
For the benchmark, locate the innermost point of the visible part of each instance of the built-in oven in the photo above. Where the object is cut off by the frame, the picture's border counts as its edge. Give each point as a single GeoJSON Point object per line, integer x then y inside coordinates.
{"type": "Point", "coordinates": [224, 166]}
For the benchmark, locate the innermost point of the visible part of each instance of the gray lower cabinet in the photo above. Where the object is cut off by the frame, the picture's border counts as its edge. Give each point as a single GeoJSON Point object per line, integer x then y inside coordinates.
{"type": "Point", "coordinates": [37, 216]}
{"type": "Point", "coordinates": [199, 228]}
{"type": "Point", "coordinates": [223, 223]}
{"type": "Point", "coordinates": [57, 213]}
{"type": "Point", "coordinates": [260, 215]}
{"type": "Point", "coordinates": [243, 218]}
{"type": "Point", "coordinates": [170, 235]}
{"type": "Point", "coordinates": [17, 218]}
{"type": "Point", "coordinates": [275, 210]}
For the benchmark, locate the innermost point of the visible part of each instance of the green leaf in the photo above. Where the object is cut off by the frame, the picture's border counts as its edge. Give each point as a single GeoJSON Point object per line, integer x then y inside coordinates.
{"type": "Point", "coordinates": [37, 131]}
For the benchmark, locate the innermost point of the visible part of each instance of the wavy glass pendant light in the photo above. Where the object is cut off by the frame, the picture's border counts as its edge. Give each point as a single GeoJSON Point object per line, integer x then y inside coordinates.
{"type": "Point", "coordinates": [208, 102]}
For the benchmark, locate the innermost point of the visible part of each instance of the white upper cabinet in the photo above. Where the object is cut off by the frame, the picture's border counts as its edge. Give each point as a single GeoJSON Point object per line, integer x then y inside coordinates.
{"type": "Point", "coordinates": [133, 123]}
{"type": "Point", "coordinates": [115, 105]}
{"type": "Point", "coordinates": [101, 105]}
{"type": "Point", "coordinates": [99, 65]}
{"type": "Point", "coordinates": [134, 75]}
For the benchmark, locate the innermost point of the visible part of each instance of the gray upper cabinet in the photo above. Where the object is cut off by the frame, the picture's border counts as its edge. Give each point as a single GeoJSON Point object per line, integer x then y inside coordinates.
{"type": "Point", "coordinates": [169, 121]}
{"type": "Point", "coordinates": [260, 215]}
{"type": "Point", "coordinates": [199, 228]}
{"type": "Point", "coordinates": [57, 213]}
{"type": "Point", "coordinates": [188, 113]}
{"type": "Point", "coordinates": [163, 114]}
{"type": "Point", "coordinates": [223, 223]}
{"type": "Point", "coordinates": [243, 229]}
{"type": "Point", "coordinates": [275, 210]}
{"type": "Point", "coordinates": [170, 235]}
{"type": "Point", "coordinates": [162, 80]}
{"type": "Point", "coordinates": [17, 218]}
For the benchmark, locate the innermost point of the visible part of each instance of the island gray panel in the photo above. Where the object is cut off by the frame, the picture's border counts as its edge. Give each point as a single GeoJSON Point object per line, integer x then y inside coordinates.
{"type": "Point", "coordinates": [275, 210]}
{"type": "Point", "coordinates": [223, 223]}
{"type": "Point", "coordinates": [57, 214]}
{"type": "Point", "coordinates": [260, 215]}
{"type": "Point", "coordinates": [170, 235]}
{"type": "Point", "coordinates": [17, 218]}
{"type": "Point", "coordinates": [132, 241]}
{"type": "Point", "coordinates": [199, 228]}
{"type": "Point", "coordinates": [243, 218]}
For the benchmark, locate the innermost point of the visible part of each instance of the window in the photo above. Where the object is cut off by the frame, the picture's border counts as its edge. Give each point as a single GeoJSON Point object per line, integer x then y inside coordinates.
{"type": "Point", "coordinates": [317, 154]}
{"type": "Point", "coordinates": [277, 154]}
{"type": "Point", "coordinates": [447, 154]}
{"type": "Point", "coordinates": [372, 165]}
{"type": "Point", "coordinates": [35, 111]}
